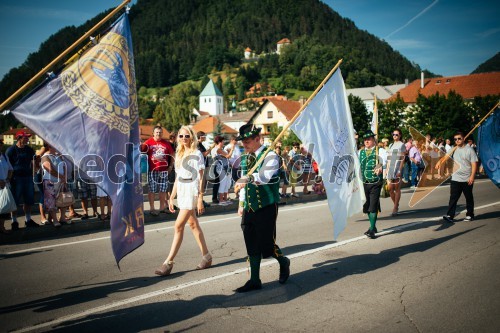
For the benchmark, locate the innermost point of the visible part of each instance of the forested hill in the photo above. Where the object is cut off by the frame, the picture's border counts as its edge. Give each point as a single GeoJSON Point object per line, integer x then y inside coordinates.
{"type": "Point", "coordinates": [178, 40]}
{"type": "Point", "coordinates": [490, 65]}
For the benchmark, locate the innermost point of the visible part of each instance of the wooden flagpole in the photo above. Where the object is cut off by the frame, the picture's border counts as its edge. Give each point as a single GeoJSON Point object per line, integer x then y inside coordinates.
{"type": "Point", "coordinates": [448, 155]}
{"type": "Point", "coordinates": [62, 55]}
{"type": "Point", "coordinates": [283, 131]}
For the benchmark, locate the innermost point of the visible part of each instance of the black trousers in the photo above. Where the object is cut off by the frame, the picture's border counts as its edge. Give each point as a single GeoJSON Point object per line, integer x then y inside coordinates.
{"type": "Point", "coordinates": [456, 190]}
{"type": "Point", "coordinates": [259, 230]}
{"type": "Point", "coordinates": [215, 190]}
{"type": "Point", "coordinates": [372, 193]}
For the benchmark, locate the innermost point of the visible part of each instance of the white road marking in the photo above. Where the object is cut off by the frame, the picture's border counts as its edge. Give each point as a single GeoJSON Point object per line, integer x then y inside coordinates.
{"type": "Point", "coordinates": [161, 292]}
{"type": "Point", "coordinates": [150, 230]}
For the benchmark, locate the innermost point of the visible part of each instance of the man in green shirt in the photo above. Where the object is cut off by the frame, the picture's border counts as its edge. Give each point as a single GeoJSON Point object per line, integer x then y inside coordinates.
{"type": "Point", "coordinates": [259, 197]}
{"type": "Point", "coordinates": [372, 161]}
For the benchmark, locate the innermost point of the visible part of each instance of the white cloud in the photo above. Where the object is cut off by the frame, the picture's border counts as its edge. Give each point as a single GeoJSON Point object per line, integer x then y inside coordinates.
{"type": "Point", "coordinates": [408, 44]}
{"type": "Point", "coordinates": [413, 19]}
{"type": "Point", "coordinates": [488, 33]}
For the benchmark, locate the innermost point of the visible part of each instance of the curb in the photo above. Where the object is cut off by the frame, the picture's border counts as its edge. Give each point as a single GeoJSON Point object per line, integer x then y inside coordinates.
{"type": "Point", "coordinates": [93, 225]}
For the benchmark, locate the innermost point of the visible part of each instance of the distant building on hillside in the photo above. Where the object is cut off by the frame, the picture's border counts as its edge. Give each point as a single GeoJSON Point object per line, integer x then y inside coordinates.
{"type": "Point", "coordinates": [211, 100]}
{"type": "Point", "coordinates": [248, 53]}
{"type": "Point", "coordinates": [367, 95]}
{"type": "Point", "coordinates": [281, 44]}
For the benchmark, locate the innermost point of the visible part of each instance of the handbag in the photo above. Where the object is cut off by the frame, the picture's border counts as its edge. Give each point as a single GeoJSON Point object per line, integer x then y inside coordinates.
{"type": "Point", "coordinates": [384, 191]}
{"type": "Point", "coordinates": [64, 198]}
{"type": "Point", "coordinates": [7, 202]}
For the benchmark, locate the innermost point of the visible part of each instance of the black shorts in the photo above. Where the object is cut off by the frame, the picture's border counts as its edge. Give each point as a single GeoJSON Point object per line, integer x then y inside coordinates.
{"type": "Point", "coordinates": [372, 193]}
{"type": "Point", "coordinates": [259, 230]}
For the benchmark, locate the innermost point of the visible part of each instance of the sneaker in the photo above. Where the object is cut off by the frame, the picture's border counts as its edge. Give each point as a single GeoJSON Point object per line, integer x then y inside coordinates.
{"type": "Point", "coordinates": [295, 195]}
{"type": "Point", "coordinates": [468, 218]}
{"type": "Point", "coordinates": [31, 224]}
{"type": "Point", "coordinates": [448, 218]}
{"type": "Point", "coordinates": [405, 180]}
{"type": "Point", "coordinates": [45, 222]}
{"type": "Point", "coordinates": [15, 225]}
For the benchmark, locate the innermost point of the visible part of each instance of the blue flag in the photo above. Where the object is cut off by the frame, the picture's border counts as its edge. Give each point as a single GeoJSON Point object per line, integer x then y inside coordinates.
{"type": "Point", "coordinates": [488, 146]}
{"type": "Point", "coordinates": [89, 113]}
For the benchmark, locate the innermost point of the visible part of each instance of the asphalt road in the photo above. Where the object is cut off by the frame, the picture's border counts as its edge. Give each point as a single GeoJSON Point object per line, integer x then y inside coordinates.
{"type": "Point", "coordinates": [418, 275]}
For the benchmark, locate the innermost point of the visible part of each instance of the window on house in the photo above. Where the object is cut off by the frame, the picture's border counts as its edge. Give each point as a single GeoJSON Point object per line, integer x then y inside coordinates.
{"type": "Point", "coordinates": [209, 100]}
{"type": "Point", "coordinates": [269, 114]}
{"type": "Point", "coordinates": [448, 81]}
{"type": "Point", "coordinates": [268, 127]}
{"type": "Point", "coordinates": [438, 81]}
{"type": "Point", "coordinates": [205, 100]}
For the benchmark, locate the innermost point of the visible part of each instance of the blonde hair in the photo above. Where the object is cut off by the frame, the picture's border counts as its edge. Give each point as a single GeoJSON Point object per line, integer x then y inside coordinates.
{"type": "Point", "coordinates": [182, 152]}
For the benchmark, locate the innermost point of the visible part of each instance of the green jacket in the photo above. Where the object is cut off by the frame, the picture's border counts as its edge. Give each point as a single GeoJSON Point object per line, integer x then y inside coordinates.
{"type": "Point", "coordinates": [262, 195]}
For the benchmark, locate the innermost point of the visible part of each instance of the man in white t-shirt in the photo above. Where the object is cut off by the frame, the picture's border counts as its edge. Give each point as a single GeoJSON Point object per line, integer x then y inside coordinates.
{"type": "Point", "coordinates": [462, 180]}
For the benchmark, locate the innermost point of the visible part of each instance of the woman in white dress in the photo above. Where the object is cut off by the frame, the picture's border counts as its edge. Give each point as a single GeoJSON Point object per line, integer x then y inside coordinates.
{"type": "Point", "coordinates": [190, 166]}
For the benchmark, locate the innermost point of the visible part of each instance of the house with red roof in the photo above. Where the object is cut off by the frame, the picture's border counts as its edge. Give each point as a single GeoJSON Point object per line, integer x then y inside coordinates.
{"type": "Point", "coordinates": [281, 44]}
{"type": "Point", "coordinates": [467, 86]}
{"type": "Point", "coordinates": [274, 111]}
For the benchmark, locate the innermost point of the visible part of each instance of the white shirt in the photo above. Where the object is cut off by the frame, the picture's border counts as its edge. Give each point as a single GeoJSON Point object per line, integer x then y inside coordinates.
{"type": "Point", "coordinates": [235, 159]}
{"type": "Point", "coordinates": [195, 161]}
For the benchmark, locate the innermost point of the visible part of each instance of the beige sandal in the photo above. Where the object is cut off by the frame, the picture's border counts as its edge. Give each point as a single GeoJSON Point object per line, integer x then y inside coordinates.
{"type": "Point", "coordinates": [206, 262]}
{"type": "Point", "coordinates": [165, 269]}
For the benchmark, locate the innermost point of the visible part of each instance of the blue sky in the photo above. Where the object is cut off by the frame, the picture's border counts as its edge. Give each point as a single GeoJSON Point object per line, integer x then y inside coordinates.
{"type": "Point", "coordinates": [447, 37]}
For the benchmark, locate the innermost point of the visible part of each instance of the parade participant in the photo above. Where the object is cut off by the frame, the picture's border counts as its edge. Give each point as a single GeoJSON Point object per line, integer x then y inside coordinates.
{"type": "Point", "coordinates": [21, 158]}
{"type": "Point", "coordinates": [188, 187]}
{"type": "Point", "coordinates": [160, 154]}
{"type": "Point", "coordinates": [397, 151]}
{"type": "Point", "coordinates": [372, 161]}
{"type": "Point", "coordinates": [259, 198]}
{"type": "Point", "coordinates": [202, 137]}
{"type": "Point", "coordinates": [462, 181]}
{"type": "Point", "coordinates": [221, 161]}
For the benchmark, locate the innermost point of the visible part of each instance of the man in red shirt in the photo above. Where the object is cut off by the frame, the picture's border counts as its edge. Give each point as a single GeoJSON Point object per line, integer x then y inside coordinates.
{"type": "Point", "coordinates": [160, 156]}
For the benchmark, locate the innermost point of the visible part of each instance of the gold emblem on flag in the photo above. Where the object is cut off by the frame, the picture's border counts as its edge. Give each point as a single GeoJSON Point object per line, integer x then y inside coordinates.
{"type": "Point", "coordinates": [101, 83]}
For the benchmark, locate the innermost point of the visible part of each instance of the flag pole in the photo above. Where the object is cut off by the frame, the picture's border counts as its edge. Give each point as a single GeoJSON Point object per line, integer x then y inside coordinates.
{"type": "Point", "coordinates": [62, 55]}
{"type": "Point", "coordinates": [448, 155]}
{"type": "Point", "coordinates": [375, 115]}
{"type": "Point", "coordinates": [283, 131]}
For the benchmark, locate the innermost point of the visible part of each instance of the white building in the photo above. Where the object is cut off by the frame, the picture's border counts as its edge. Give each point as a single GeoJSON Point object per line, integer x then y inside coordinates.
{"type": "Point", "coordinates": [368, 94]}
{"type": "Point", "coordinates": [281, 44]}
{"type": "Point", "coordinates": [211, 99]}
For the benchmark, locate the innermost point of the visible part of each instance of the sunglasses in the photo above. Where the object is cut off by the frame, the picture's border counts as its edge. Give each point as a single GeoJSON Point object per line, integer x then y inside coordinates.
{"type": "Point", "coordinates": [395, 134]}
{"type": "Point", "coordinates": [457, 139]}
{"type": "Point", "coordinates": [186, 136]}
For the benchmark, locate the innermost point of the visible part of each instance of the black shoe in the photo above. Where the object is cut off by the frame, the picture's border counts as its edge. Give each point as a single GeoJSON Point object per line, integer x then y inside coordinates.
{"type": "Point", "coordinates": [284, 271]}
{"type": "Point", "coordinates": [249, 286]}
{"type": "Point", "coordinates": [448, 218]}
{"type": "Point", "coordinates": [15, 226]}
{"type": "Point", "coordinates": [371, 234]}
{"type": "Point", "coordinates": [206, 204]}
{"type": "Point", "coordinates": [31, 224]}
{"type": "Point", "coordinates": [369, 231]}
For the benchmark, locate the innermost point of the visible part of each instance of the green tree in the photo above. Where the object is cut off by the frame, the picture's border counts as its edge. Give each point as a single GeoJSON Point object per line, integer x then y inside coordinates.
{"type": "Point", "coordinates": [177, 106]}
{"type": "Point", "coordinates": [390, 117]}
{"type": "Point", "coordinates": [360, 117]}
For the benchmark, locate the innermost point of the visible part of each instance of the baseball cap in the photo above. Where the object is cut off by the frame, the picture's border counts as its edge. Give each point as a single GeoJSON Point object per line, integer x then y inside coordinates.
{"type": "Point", "coordinates": [21, 134]}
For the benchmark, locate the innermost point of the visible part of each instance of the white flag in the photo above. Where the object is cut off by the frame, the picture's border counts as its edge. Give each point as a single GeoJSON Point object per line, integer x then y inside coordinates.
{"type": "Point", "coordinates": [325, 126]}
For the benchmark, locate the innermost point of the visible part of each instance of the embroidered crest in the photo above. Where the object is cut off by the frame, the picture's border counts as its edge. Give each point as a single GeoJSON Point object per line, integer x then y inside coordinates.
{"type": "Point", "coordinates": [102, 84]}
